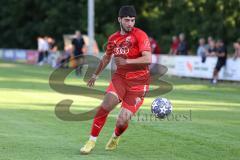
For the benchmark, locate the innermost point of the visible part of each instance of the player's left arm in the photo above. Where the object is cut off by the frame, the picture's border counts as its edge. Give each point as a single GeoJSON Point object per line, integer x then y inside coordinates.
{"type": "Point", "coordinates": [146, 58]}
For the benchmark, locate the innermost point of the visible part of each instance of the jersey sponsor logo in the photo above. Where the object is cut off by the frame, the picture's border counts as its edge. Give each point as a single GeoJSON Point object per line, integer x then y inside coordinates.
{"type": "Point", "coordinates": [121, 50]}
{"type": "Point", "coordinates": [123, 47]}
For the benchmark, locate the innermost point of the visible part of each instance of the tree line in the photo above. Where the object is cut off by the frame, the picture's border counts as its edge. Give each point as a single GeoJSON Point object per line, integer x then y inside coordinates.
{"type": "Point", "coordinates": [21, 22]}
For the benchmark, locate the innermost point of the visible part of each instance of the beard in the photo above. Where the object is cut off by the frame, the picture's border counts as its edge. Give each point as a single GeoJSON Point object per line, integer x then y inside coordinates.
{"type": "Point", "coordinates": [125, 29]}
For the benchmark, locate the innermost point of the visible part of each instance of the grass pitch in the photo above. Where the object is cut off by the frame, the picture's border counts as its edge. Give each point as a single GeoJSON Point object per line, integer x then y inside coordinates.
{"type": "Point", "coordinates": [205, 123]}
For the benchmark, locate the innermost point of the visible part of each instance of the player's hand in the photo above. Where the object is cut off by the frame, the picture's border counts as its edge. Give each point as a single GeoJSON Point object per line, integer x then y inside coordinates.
{"type": "Point", "coordinates": [120, 61]}
{"type": "Point", "coordinates": [92, 80]}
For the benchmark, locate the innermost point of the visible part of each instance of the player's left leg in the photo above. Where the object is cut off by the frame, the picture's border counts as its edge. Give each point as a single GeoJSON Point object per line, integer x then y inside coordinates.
{"type": "Point", "coordinates": [217, 68]}
{"type": "Point", "coordinates": [130, 105]}
{"type": "Point", "coordinates": [122, 124]}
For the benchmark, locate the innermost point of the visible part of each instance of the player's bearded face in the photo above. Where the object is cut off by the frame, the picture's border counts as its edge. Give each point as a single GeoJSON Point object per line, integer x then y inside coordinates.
{"type": "Point", "coordinates": [127, 23]}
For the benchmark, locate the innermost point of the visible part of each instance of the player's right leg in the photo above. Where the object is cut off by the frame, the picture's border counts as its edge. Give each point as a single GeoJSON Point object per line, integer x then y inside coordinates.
{"type": "Point", "coordinates": [109, 103]}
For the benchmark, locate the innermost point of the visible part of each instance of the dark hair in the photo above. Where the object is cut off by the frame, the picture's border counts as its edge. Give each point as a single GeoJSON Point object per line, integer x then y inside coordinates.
{"type": "Point", "coordinates": [127, 11]}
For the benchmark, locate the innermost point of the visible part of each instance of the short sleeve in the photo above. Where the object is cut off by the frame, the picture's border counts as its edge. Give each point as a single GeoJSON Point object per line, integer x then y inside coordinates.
{"type": "Point", "coordinates": [110, 46]}
{"type": "Point", "coordinates": [143, 42]}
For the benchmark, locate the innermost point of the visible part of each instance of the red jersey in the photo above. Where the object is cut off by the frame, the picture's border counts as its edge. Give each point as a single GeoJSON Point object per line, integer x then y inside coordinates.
{"type": "Point", "coordinates": [130, 46]}
{"type": "Point", "coordinates": [154, 45]}
{"type": "Point", "coordinates": [174, 45]}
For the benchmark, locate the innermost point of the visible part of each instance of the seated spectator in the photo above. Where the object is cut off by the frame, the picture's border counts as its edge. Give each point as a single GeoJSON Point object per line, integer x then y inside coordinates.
{"type": "Point", "coordinates": [174, 46]}
{"type": "Point", "coordinates": [182, 47]}
{"type": "Point", "coordinates": [202, 49]}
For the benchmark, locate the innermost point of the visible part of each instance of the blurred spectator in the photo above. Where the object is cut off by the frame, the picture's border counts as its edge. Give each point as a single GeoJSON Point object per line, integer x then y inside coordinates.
{"type": "Point", "coordinates": [53, 52]}
{"type": "Point", "coordinates": [42, 49]}
{"type": "Point", "coordinates": [182, 47]}
{"type": "Point", "coordinates": [202, 49]}
{"type": "Point", "coordinates": [211, 48]}
{"type": "Point", "coordinates": [86, 46]}
{"type": "Point", "coordinates": [236, 47]}
{"type": "Point", "coordinates": [221, 53]}
{"type": "Point", "coordinates": [64, 58]}
{"type": "Point", "coordinates": [52, 44]}
{"type": "Point", "coordinates": [156, 51]}
{"type": "Point", "coordinates": [154, 46]}
{"type": "Point", "coordinates": [209, 40]}
{"type": "Point", "coordinates": [174, 45]}
{"type": "Point", "coordinates": [78, 44]}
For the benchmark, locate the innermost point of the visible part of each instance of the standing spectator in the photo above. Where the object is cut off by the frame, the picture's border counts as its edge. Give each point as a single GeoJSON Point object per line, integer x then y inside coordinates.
{"type": "Point", "coordinates": [78, 44]}
{"type": "Point", "coordinates": [211, 48]}
{"type": "Point", "coordinates": [46, 46]}
{"type": "Point", "coordinates": [182, 47]}
{"type": "Point", "coordinates": [155, 49]}
{"type": "Point", "coordinates": [42, 49]}
{"type": "Point", "coordinates": [202, 50]}
{"type": "Point", "coordinates": [221, 53]}
{"type": "Point", "coordinates": [236, 47]}
{"type": "Point", "coordinates": [53, 52]}
{"type": "Point", "coordinates": [209, 40]}
{"type": "Point", "coordinates": [154, 46]}
{"type": "Point", "coordinates": [174, 45]}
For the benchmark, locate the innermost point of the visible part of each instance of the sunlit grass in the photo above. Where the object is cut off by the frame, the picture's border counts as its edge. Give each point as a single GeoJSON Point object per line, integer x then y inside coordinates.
{"type": "Point", "coordinates": [204, 124]}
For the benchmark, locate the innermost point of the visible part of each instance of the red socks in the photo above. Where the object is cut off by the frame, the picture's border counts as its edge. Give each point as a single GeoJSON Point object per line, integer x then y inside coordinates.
{"type": "Point", "coordinates": [119, 130]}
{"type": "Point", "coordinates": [99, 121]}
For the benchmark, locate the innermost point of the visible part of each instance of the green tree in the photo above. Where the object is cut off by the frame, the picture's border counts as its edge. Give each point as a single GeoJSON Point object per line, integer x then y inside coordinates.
{"type": "Point", "coordinates": [22, 21]}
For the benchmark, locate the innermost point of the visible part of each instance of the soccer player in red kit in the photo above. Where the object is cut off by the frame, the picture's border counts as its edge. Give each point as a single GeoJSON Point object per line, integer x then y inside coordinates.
{"type": "Point", "coordinates": [131, 50]}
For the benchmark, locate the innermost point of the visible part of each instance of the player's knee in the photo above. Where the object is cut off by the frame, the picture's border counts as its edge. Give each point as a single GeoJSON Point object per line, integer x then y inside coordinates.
{"type": "Point", "coordinates": [107, 105]}
{"type": "Point", "coordinates": [122, 122]}
{"type": "Point", "coordinates": [109, 102]}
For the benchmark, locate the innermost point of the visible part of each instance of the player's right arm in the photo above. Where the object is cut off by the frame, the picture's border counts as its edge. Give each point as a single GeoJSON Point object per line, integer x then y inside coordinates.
{"type": "Point", "coordinates": [103, 63]}
{"type": "Point", "coordinates": [101, 66]}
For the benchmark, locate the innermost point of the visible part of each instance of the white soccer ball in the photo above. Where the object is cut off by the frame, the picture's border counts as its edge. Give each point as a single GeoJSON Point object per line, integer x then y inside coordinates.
{"type": "Point", "coordinates": [161, 107]}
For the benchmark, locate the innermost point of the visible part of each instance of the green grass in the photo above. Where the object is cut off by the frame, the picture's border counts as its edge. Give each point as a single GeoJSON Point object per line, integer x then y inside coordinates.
{"type": "Point", "coordinates": [29, 128]}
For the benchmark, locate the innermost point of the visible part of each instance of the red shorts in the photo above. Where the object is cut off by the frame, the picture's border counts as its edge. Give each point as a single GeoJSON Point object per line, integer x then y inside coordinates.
{"type": "Point", "coordinates": [129, 92]}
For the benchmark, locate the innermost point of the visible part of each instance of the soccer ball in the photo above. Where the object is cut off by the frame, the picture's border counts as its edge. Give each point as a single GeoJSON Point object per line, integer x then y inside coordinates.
{"type": "Point", "coordinates": [161, 107]}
